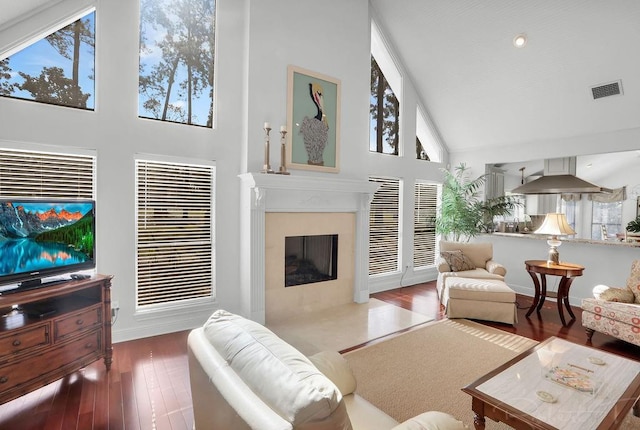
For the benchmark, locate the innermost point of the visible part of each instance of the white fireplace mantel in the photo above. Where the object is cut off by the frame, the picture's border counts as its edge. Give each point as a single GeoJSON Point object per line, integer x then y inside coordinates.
{"type": "Point", "coordinates": [262, 193]}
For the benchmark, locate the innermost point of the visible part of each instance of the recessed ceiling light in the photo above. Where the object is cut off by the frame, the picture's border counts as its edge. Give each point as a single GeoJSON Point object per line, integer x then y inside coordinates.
{"type": "Point", "coordinates": [520, 40]}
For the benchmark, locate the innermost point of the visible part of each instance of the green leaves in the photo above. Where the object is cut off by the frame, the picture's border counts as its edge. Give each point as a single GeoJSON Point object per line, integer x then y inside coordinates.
{"type": "Point", "coordinates": [462, 213]}
{"type": "Point", "coordinates": [634, 226]}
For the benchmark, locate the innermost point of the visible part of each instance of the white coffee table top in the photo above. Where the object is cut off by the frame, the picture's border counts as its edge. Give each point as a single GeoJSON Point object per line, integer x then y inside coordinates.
{"type": "Point", "coordinates": [563, 384]}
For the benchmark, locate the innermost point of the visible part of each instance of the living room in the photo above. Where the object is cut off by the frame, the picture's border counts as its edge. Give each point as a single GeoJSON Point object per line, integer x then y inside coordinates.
{"type": "Point", "coordinates": [255, 43]}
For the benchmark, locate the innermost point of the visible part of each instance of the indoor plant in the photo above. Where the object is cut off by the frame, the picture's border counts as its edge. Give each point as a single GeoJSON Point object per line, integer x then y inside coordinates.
{"type": "Point", "coordinates": [463, 214]}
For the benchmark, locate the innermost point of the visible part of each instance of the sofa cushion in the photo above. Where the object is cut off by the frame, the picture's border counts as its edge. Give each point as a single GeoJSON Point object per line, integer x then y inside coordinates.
{"type": "Point", "coordinates": [623, 295]}
{"type": "Point", "coordinates": [483, 290]}
{"type": "Point", "coordinates": [457, 261]}
{"type": "Point", "coordinates": [337, 369]}
{"type": "Point", "coordinates": [478, 252]}
{"type": "Point", "coordinates": [277, 372]}
{"type": "Point", "coordinates": [633, 281]}
{"type": "Point", "coordinates": [432, 420]}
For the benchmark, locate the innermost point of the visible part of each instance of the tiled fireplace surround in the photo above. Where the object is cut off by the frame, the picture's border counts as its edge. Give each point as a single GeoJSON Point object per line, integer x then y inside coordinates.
{"type": "Point", "coordinates": [275, 206]}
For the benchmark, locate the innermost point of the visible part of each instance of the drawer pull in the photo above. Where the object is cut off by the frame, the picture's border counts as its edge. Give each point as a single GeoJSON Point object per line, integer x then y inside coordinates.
{"type": "Point", "coordinates": [16, 342]}
{"type": "Point", "coordinates": [79, 321]}
{"type": "Point", "coordinates": [89, 345]}
{"type": "Point", "coordinates": [3, 379]}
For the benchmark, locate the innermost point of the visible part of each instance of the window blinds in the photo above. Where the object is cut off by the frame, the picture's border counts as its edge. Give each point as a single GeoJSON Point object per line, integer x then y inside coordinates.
{"type": "Point", "coordinates": [424, 227]}
{"type": "Point", "coordinates": [46, 175]}
{"type": "Point", "coordinates": [384, 226]}
{"type": "Point", "coordinates": [174, 232]}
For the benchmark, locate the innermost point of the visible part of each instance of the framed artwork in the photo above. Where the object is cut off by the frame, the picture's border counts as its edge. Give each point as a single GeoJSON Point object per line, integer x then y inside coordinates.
{"type": "Point", "coordinates": [313, 118]}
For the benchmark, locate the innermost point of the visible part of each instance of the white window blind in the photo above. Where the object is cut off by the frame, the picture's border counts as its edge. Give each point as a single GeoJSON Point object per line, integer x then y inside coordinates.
{"type": "Point", "coordinates": [46, 175]}
{"type": "Point", "coordinates": [424, 227]}
{"type": "Point", "coordinates": [384, 227]}
{"type": "Point", "coordinates": [174, 232]}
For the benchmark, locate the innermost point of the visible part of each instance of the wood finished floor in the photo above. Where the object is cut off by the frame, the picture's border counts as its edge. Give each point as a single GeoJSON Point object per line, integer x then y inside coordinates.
{"type": "Point", "coordinates": [148, 385]}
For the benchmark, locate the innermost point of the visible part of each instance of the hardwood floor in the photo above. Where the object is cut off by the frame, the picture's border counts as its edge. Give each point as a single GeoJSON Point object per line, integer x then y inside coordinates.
{"type": "Point", "coordinates": [148, 385]}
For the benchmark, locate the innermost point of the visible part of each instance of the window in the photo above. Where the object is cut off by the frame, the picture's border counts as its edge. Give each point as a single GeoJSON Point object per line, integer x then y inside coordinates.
{"type": "Point", "coordinates": [384, 113]}
{"type": "Point", "coordinates": [174, 232]}
{"type": "Point", "coordinates": [67, 79]}
{"type": "Point", "coordinates": [428, 147]}
{"type": "Point", "coordinates": [177, 40]}
{"type": "Point", "coordinates": [384, 227]}
{"type": "Point", "coordinates": [48, 175]}
{"type": "Point", "coordinates": [606, 219]}
{"type": "Point", "coordinates": [424, 223]}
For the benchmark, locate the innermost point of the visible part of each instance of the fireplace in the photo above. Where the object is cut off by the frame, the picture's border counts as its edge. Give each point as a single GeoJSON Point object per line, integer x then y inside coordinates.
{"type": "Point", "coordinates": [275, 207]}
{"type": "Point", "coordinates": [310, 259]}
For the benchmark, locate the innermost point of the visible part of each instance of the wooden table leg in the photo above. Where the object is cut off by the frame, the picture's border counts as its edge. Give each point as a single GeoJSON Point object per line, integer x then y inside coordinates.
{"type": "Point", "coordinates": [536, 297]}
{"type": "Point", "coordinates": [563, 298]}
{"type": "Point", "coordinates": [543, 292]}
{"type": "Point", "coordinates": [477, 406]}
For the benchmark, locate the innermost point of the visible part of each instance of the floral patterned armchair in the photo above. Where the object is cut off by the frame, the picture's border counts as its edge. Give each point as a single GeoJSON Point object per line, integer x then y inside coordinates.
{"type": "Point", "coordinates": [615, 311]}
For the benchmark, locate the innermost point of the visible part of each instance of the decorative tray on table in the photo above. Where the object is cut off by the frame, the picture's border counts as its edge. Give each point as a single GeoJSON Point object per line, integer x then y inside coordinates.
{"type": "Point", "coordinates": [568, 376]}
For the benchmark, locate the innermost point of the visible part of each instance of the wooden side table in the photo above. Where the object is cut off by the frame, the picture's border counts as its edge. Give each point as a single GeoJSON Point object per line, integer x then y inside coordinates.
{"type": "Point", "coordinates": [567, 271]}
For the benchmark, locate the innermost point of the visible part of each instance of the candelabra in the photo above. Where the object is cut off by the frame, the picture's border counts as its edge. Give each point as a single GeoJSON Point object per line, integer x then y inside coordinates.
{"type": "Point", "coordinates": [283, 158]}
{"type": "Point", "coordinates": [267, 167]}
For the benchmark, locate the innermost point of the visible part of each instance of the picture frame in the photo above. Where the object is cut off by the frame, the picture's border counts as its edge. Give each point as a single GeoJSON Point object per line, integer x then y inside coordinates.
{"type": "Point", "coordinates": [313, 121]}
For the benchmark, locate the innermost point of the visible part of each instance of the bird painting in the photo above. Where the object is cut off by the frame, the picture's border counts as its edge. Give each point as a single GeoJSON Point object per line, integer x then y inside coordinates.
{"type": "Point", "coordinates": [315, 130]}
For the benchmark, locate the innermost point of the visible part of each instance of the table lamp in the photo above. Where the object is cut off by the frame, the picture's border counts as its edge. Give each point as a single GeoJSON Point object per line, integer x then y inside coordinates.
{"type": "Point", "coordinates": [554, 225]}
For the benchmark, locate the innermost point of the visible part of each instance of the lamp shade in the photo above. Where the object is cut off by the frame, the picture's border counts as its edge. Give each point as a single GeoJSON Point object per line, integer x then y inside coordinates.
{"type": "Point", "coordinates": [555, 224]}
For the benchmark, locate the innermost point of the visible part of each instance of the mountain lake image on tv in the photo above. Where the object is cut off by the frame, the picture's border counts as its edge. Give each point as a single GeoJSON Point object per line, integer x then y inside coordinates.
{"type": "Point", "coordinates": [45, 238]}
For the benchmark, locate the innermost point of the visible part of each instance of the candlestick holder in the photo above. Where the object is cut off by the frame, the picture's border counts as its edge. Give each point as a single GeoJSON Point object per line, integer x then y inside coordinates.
{"type": "Point", "coordinates": [266, 168]}
{"type": "Point", "coordinates": [283, 158]}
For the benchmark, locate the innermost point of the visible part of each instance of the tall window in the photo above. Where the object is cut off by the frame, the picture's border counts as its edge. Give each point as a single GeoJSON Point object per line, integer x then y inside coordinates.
{"type": "Point", "coordinates": [177, 40]}
{"type": "Point", "coordinates": [174, 232]}
{"type": "Point", "coordinates": [46, 175]}
{"type": "Point", "coordinates": [428, 147]}
{"type": "Point", "coordinates": [384, 113]}
{"type": "Point", "coordinates": [424, 223]}
{"type": "Point", "coordinates": [57, 69]}
{"type": "Point", "coordinates": [384, 227]}
{"type": "Point", "coordinates": [606, 219]}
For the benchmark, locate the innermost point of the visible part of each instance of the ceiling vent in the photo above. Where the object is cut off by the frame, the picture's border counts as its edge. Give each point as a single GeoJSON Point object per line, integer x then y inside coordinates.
{"type": "Point", "coordinates": [606, 90]}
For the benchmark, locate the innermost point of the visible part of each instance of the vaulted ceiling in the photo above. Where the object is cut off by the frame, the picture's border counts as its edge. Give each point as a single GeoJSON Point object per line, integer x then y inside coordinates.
{"type": "Point", "coordinates": [480, 90]}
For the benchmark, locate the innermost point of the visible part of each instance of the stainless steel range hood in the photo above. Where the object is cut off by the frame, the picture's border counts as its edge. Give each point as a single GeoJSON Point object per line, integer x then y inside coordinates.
{"type": "Point", "coordinates": [558, 184]}
{"type": "Point", "coordinates": [559, 177]}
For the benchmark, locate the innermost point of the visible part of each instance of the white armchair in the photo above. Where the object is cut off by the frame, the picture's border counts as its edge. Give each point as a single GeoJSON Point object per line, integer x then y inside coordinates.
{"type": "Point", "coordinates": [474, 260]}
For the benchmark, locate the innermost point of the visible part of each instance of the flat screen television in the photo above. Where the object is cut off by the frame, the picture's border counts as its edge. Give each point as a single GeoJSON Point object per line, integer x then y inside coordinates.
{"type": "Point", "coordinates": [44, 238]}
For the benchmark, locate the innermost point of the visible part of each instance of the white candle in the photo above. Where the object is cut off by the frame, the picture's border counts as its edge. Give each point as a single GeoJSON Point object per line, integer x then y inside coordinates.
{"type": "Point", "coordinates": [267, 125]}
{"type": "Point", "coordinates": [283, 128]}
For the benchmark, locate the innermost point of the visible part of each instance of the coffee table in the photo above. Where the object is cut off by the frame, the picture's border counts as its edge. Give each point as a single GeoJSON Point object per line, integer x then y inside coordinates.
{"type": "Point", "coordinates": [558, 385]}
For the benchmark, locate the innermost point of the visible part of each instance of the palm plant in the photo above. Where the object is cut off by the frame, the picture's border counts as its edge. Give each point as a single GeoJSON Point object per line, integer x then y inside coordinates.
{"type": "Point", "coordinates": [462, 213]}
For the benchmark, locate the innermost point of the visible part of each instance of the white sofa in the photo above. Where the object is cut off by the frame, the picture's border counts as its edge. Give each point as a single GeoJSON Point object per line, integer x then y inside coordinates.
{"type": "Point", "coordinates": [245, 377]}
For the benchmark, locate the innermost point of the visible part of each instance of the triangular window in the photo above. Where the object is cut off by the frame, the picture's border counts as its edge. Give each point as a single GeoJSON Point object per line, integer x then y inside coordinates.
{"type": "Point", "coordinates": [56, 69]}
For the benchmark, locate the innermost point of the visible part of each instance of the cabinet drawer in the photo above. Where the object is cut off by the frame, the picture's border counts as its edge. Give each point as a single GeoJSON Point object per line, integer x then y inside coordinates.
{"type": "Point", "coordinates": [19, 341]}
{"type": "Point", "coordinates": [85, 319]}
{"type": "Point", "coordinates": [22, 371]}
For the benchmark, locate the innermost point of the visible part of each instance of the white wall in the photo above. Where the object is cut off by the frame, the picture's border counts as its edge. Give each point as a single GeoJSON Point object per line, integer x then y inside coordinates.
{"type": "Point", "coordinates": [255, 43]}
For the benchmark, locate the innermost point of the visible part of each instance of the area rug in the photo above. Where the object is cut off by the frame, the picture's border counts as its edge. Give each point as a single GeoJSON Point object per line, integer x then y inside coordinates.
{"type": "Point", "coordinates": [424, 369]}
{"type": "Point", "coordinates": [345, 326]}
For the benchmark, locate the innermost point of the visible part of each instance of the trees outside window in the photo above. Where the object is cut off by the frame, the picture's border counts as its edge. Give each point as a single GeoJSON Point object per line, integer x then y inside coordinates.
{"type": "Point", "coordinates": [384, 112]}
{"type": "Point", "coordinates": [68, 78]}
{"type": "Point", "coordinates": [177, 40]}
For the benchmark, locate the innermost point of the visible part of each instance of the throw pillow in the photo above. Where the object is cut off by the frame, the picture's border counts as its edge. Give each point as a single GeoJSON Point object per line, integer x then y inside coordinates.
{"type": "Point", "coordinates": [633, 281]}
{"type": "Point", "coordinates": [622, 295]}
{"type": "Point", "coordinates": [457, 260]}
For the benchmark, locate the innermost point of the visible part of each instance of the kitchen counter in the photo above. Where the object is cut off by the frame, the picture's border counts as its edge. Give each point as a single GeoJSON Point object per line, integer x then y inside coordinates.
{"type": "Point", "coordinates": [611, 242]}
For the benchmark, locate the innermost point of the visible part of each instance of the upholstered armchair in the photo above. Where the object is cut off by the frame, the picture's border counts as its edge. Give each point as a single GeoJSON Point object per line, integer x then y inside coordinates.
{"type": "Point", "coordinates": [615, 310]}
{"type": "Point", "coordinates": [467, 260]}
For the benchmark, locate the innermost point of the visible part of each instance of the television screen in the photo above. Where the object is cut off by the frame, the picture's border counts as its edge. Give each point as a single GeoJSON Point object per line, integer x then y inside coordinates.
{"type": "Point", "coordinates": [42, 238]}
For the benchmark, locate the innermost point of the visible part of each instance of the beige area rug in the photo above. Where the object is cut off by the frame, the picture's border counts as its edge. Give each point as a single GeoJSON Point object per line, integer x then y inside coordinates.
{"type": "Point", "coordinates": [425, 369]}
{"type": "Point", "coordinates": [345, 326]}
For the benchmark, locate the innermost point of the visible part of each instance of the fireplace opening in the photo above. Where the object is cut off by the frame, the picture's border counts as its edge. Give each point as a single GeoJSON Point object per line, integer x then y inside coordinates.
{"type": "Point", "coordinates": [310, 259]}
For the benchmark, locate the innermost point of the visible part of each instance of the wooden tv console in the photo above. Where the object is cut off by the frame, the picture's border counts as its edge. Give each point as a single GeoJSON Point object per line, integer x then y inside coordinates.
{"type": "Point", "coordinates": [52, 331]}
